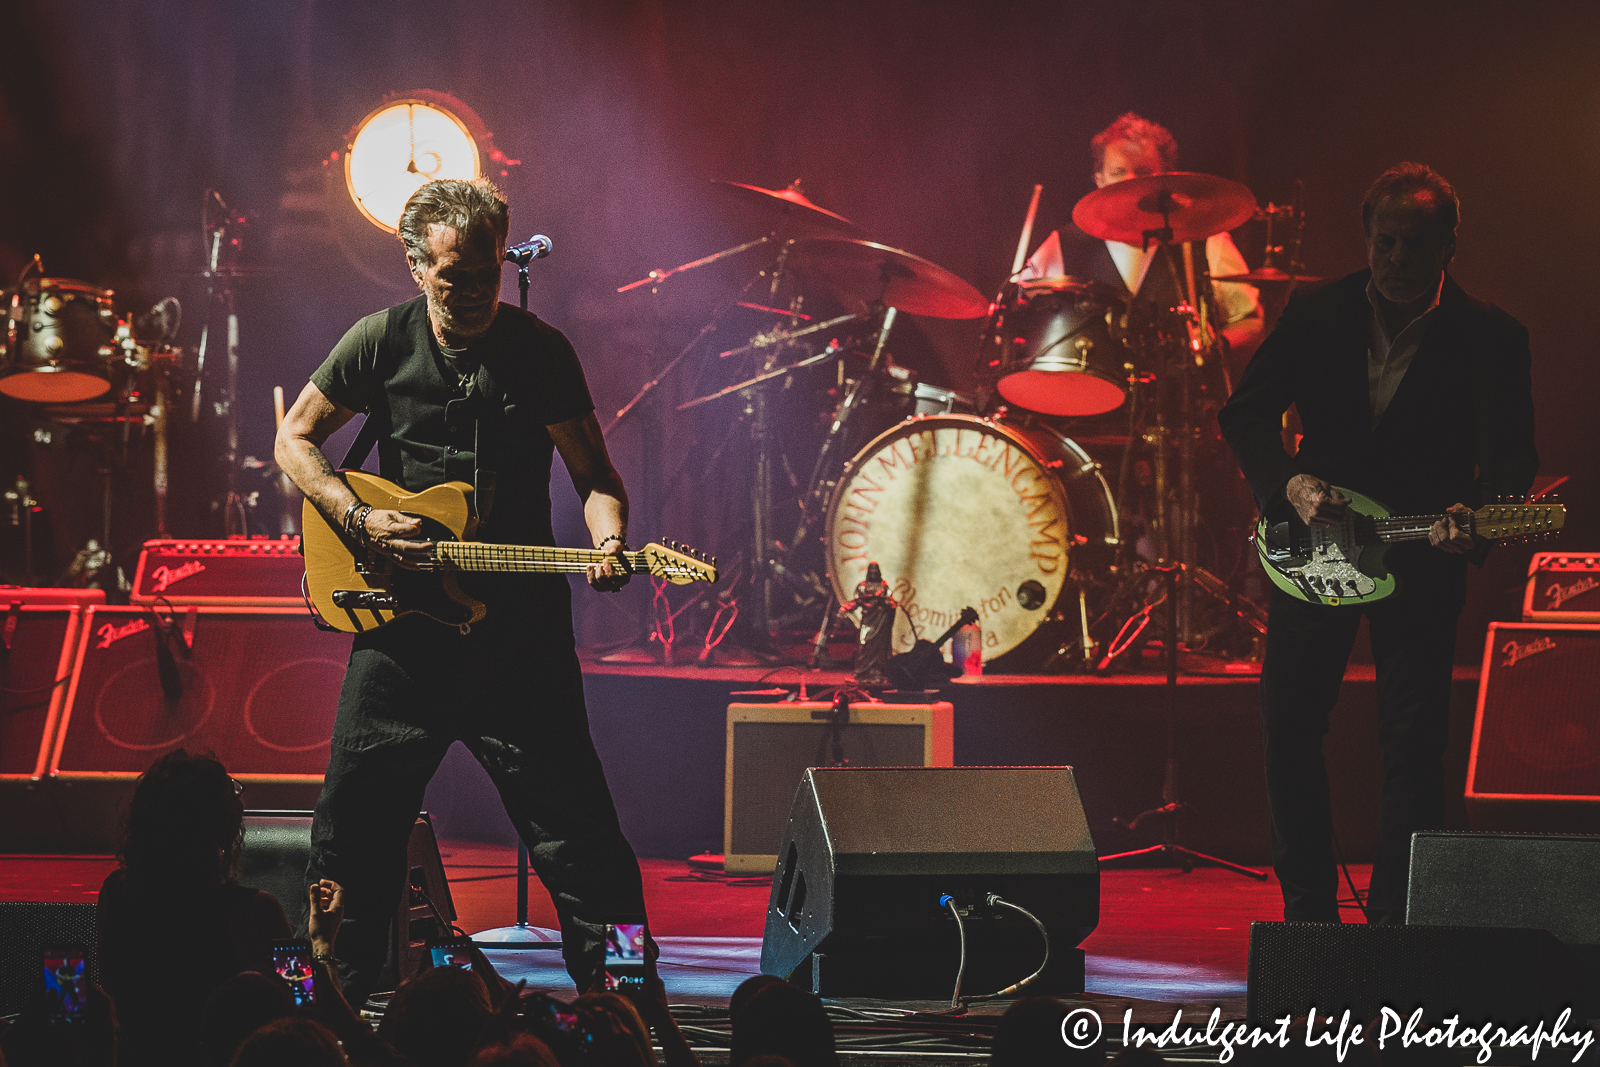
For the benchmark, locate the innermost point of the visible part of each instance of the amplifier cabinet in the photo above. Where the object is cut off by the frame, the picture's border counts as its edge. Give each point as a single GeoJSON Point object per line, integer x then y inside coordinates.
{"type": "Point", "coordinates": [1562, 587]}
{"type": "Point", "coordinates": [259, 687]}
{"type": "Point", "coordinates": [237, 572]}
{"type": "Point", "coordinates": [1534, 765]}
{"type": "Point", "coordinates": [38, 648]}
{"type": "Point", "coordinates": [771, 745]}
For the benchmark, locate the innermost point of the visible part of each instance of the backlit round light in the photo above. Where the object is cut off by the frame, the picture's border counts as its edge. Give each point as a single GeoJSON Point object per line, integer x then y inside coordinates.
{"type": "Point", "coordinates": [401, 145]}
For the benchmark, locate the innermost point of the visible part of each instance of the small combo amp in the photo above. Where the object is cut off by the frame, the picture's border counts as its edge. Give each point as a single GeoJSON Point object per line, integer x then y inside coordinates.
{"type": "Point", "coordinates": [1562, 587]}
{"type": "Point", "coordinates": [771, 745]}
{"type": "Point", "coordinates": [1534, 763]}
{"type": "Point", "coordinates": [237, 572]}
{"type": "Point", "coordinates": [877, 862]}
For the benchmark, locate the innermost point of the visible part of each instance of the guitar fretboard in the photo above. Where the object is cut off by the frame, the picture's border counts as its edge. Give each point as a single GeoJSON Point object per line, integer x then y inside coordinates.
{"type": "Point", "coordinates": [530, 559]}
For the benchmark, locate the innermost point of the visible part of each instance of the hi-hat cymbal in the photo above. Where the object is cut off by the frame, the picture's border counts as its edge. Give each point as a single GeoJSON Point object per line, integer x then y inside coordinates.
{"type": "Point", "coordinates": [1197, 206]}
{"type": "Point", "coordinates": [791, 202]}
{"type": "Point", "coordinates": [1267, 276]}
{"type": "Point", "coordinates": [871, 273]}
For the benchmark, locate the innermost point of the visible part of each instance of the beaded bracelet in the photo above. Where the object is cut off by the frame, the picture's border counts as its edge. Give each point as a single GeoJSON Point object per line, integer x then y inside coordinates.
{"type": "Point", "coordinates": [358, 525]}
{"type": "Point", "coordinates": [612, 537]}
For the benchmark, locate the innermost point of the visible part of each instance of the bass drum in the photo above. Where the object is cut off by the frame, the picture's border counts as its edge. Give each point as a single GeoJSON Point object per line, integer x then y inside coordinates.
{"type": "Point", "coordinates": [958, 510]}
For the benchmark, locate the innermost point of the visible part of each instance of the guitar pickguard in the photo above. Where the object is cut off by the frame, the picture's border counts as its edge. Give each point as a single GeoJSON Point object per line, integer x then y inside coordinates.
{"type": "Point", "coordinates": [1328, 565]}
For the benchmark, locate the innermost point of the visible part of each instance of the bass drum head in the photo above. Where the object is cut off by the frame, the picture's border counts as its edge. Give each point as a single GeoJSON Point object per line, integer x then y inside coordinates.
{"type": "Point", "coordinates": [957, 511]}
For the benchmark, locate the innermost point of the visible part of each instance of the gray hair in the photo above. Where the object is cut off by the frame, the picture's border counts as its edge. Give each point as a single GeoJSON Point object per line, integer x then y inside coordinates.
{"type": "Point", "coordinates": [1419, 182]}
{"type": "Point", "coordinates": [461, 205]}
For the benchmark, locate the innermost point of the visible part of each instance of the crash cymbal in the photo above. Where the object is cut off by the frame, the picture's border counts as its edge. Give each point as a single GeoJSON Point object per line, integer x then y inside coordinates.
{"type": "Point", "coordinates": [1197, 206]}
{"type": "Point", "coordinates": [791, 202]}
{"type": "Point", "coordinates": [870, 273]}
{"type": "Point", "coordinates": [1267, 276]}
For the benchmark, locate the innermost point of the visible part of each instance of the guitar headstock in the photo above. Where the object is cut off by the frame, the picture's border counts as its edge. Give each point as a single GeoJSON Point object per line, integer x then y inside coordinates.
{"type": "Point", "coordinates": [1496, 521]}
{"type": "Point", "coordinates": [969, 615]}
{"type": "Point", "coordinates": [679, 564]}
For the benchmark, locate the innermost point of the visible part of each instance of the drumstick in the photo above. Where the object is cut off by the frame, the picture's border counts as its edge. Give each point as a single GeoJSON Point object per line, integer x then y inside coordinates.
{"type": "Point", "coordinates": [1027, 234]}
{"type": "Point", "coordinates": [277, 406]}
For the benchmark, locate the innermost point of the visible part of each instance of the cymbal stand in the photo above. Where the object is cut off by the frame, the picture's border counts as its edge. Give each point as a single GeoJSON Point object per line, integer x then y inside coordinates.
{"type": "Point", "coordinates": [1171, 807]}
{"type": "Point", "coordinates": [235, 518]}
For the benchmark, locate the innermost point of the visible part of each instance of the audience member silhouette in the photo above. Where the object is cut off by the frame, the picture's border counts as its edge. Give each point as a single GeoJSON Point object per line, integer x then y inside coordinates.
{"type": "Point", "coordinates": [179, 856]}
{"type": "Point", "coordinates": [786, 1020]}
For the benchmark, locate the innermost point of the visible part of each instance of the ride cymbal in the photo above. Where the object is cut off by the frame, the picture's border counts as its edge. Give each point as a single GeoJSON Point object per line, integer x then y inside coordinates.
{"type": "Point", "coordinates": [871, 273]}
{"type": "Point", "coordinates": [1195, 205]}
{"type": "Point", "coordinates": [1267, 276]}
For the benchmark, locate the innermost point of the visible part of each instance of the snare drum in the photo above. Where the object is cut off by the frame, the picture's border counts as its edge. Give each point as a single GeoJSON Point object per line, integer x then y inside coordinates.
{"type": "Point", "coordinates": [957, 511]}
{"type": "Point", "coordinates": [59, 342]}
{"type": "Point", "coordinates": [1075, 355]}
{"type": "Point", "coordinates": [934, 400]}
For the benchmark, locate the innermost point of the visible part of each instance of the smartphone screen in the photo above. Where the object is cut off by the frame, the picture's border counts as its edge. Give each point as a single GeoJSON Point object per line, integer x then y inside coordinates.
{"type": "Point", "coordinates": [453, 952]}
{"type": "Point", "coordinates": [625, 959]}
{"type": "Point", "coordinates": [65, 980]}
{"type": "Point", "coordinates": [292, 960]}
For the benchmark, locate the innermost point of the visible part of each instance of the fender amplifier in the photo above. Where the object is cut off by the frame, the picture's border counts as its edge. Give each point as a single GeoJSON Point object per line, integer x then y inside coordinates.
{"type": "Point", "coordinates": [237, 572]}
{"type": "Point", "coordinates": [1562, 587]}
{"type": "Point", "coordinates": [1534, 765]}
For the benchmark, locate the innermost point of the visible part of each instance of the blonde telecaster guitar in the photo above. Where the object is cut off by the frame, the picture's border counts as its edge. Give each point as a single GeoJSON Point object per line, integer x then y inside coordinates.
{"type": "Point", "coordinates": [356, 590]}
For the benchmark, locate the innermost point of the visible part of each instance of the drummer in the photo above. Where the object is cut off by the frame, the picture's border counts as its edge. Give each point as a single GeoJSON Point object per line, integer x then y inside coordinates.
{"type": "Point", "coordinates": [1133, 147]}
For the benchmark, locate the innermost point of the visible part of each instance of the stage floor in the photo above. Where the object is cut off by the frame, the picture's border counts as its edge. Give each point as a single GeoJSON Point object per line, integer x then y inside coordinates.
{"type": "Point", "coordinates": [1165, 940]}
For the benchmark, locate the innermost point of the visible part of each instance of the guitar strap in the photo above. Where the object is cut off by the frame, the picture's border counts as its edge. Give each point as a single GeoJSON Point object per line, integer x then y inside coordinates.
{"type": "Point", "coordinates": [378, 422]}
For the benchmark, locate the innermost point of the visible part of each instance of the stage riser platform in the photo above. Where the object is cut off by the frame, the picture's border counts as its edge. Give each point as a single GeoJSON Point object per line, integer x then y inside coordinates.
{"type": "Point", "coordinates": [662, 739]}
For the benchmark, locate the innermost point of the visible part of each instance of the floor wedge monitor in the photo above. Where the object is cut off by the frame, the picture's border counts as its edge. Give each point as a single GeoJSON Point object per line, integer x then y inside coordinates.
{"type": "Point", "coordinates": [877, 863]}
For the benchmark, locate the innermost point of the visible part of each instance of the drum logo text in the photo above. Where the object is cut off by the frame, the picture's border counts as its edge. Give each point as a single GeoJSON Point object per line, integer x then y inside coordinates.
{"type": "Point", "coordinates": [1047, 543]}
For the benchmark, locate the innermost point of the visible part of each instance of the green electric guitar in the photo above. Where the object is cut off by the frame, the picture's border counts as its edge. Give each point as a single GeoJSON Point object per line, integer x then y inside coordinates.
{"type": "Point", "coordinates": [1347, 564]}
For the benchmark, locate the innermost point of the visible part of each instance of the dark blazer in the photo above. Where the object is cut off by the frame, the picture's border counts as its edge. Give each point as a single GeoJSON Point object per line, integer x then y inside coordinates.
{"type": "Point", "coordinates": [1460, 426]}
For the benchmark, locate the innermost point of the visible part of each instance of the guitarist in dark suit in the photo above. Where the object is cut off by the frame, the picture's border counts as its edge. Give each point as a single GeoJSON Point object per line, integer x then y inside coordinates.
{"type": "Point", "coordinates": [1418, 395]}
{"type": "Point", "coordinates": [458, 386]}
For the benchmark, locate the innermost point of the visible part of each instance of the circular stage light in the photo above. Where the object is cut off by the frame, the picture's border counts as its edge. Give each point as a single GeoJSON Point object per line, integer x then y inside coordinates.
{"type": "Point", "coordinates": [401, 145]}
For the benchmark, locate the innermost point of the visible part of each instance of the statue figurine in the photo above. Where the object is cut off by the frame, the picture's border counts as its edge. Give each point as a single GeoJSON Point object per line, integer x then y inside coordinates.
{"type": "Point", "coordinates": [874, 626]}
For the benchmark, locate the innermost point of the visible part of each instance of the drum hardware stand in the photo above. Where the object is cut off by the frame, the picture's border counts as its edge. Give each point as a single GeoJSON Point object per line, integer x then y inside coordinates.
{"type": "Point", "coordinates": [235, 514]}
{"type": "Point", "coordinates": [21, 505]}
{"type": "Point", "coordinates": [1171, 807]}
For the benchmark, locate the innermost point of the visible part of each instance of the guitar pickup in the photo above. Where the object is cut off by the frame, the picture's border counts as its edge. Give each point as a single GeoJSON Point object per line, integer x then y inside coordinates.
{"type": "Point", "coordinates": [365, 600]}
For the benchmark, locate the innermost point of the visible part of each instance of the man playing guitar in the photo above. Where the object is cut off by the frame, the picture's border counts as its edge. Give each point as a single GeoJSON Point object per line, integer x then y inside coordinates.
{"type": "Point", "coordinates": [458, 386]}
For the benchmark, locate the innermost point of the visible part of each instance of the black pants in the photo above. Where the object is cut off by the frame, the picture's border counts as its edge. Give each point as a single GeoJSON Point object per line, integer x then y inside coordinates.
{"type": "Point", "coordinates": [512, 692]}
{"type": "Point", "coordinates": [1308, 646]}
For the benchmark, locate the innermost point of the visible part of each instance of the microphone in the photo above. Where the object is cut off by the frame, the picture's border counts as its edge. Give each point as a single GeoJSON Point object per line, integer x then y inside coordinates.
{"type": "Point", "coordinates": [536, 247]}
{"type": "Point", "coordinates": [166, 665]}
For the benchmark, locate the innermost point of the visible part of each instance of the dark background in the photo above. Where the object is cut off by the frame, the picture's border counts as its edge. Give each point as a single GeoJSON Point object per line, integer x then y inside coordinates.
{"type": "Point", "coordinates": [927, 123]}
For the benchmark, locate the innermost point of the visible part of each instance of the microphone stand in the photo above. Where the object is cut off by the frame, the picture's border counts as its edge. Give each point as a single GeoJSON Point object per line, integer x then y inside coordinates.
{"type": "Point", "coordinates": [521, 935]}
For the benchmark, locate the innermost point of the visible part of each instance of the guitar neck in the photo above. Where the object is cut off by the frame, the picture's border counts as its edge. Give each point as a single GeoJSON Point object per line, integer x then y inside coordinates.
{"type": "Point", "coordinates": [529, 559]}
{"type": "Point", "coordinates": [1394, 528]}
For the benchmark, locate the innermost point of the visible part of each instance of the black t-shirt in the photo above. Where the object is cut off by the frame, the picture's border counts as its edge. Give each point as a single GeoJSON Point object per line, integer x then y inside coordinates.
{"type": "Point", "coordinates": [436, 408]}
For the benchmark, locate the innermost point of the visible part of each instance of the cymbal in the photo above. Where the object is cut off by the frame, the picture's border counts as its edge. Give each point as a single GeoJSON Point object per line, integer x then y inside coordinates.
{"type": "Point", "coordinates": [1267, 276]}
{"type": "Point", "coordinates": [790, 201]}
{"type": "Point", "coordinates": [1198, 205]}
{"type": "Point", "coordinates": [870, 273]}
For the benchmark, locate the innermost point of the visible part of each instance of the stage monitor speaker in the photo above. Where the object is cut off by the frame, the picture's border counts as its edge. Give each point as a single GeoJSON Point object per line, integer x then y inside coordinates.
{"type": "Point", "coordinates": [237, 572]}
{"type": "Point", "coordinates": [1508, 977]}
{"type": "Point", "coordinates": [1534, 764]}
{"type": "Point", "coordinates": [769, 745]}
{"type": "Point", "coordinates": [277, 846]}
{"type": "Point", "coordinates": [29, 926]}
{"type": "Point", "coordinates": [869, 853]}
{"type": "Point", "coordinates": [1539, 881]}
{"type": "Point", "coordinates": [38, 646]}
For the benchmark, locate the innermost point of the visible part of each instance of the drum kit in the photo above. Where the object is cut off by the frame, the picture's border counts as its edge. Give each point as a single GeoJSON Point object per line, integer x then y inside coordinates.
{"type": "Point", "coordinates": [91, 387]}
{"type": "Point", "coordinates": [1049, 497]}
